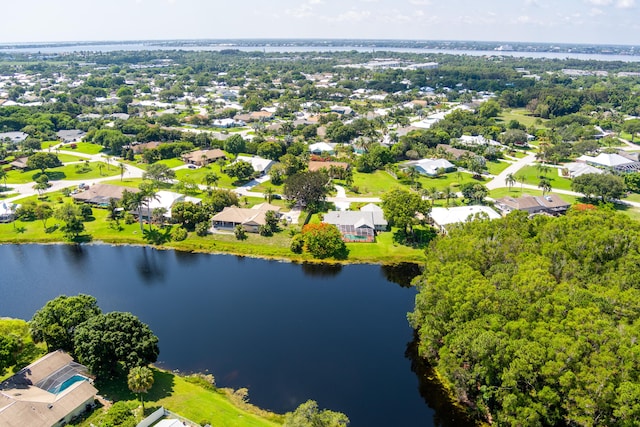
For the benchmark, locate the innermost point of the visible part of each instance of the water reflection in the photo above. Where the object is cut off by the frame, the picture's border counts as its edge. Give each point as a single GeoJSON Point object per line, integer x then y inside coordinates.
{"type": "Point", "coordinates": [321, 270]}
{"type": "Point", "coordinates": [402, 273]}
{"type": "Point", "coordinates": [446, 414]}
{"type": "Point", "coordinates": [149, 269]}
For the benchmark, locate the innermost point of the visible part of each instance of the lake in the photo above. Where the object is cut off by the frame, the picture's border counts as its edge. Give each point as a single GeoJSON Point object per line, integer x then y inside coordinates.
{"type": "Point", "coordinates": [105, 47]}
{"type": "Point", "coordinates": [287, 332]}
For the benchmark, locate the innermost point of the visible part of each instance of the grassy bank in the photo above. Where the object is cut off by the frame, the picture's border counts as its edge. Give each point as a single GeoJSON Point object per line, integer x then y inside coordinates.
{"type": "Point", "coordinates": [192, 397]}
{"type": "Point", "coordinates": [385, 250]}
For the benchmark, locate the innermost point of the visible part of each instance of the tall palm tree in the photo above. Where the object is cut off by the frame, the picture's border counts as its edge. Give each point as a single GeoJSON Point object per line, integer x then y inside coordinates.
{"type": "Point", "coordinates": [3, 176]}
{"type": "Point", "coordinates": [147, 194]}
{"type": "Point", "coordinates": [139, 380]}
{"type": "Point", "coordinates": [210, 178]}
{"type": "Point", "coordinates": [545, 185]}
{"type": "Point", "coordinates": [521, 179]}
{"type": "Point", "coordinates": [510, 180]}
{"type": "Point", "coordinates": [123, 168]}
{"type": "Point", "coordinates": [448, 194]}
{"type": "Point", "coordinates": [268, 194]}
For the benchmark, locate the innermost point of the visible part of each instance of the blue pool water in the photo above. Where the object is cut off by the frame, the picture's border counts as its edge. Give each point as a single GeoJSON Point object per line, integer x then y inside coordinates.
{"type": "Point", "coordinates": [66, 384]}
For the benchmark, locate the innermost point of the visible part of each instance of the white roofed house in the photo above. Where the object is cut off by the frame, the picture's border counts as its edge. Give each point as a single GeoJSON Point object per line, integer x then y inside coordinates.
{"type": "Point", "coordinates": [431, 166]}
{"type": "Point", "coordinates": [320, 148]}
{"type": "Point", "coordinates": [358, 226]}
{"type": "Point", "coordinates": [613, 162]}
{"type": "Point", "coordinates": [260, 165]}
{"type": "Point", "coordinates": [477, 140]}
{"type": "Point", "coordinates": [164, 200]}
{"type": "Point", "coordinates": [8, 211]}
{"type": "Point", "coordinates": [444, 217]}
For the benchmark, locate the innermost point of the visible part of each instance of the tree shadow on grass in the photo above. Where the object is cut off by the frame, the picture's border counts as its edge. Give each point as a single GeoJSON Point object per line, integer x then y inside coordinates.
{"type": "Point", "coordinates": [117, 389]}
{"type": "Point", "coordinates": [157, 236]}
{"type": "Point", "coordinates": [52, 175]}
{"type": "Point", "coordinates": [420, 238]}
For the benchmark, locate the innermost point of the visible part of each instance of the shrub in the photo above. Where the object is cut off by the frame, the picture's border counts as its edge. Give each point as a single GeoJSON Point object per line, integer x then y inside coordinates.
{"type": "Point", "coordinates": [129, 218]}
{"type": "Point", "coordinates": [179, 234]}
{"type": "Point", "coordinates": [297, 244]}
{"type": "Point", "coordinates": [202, 228]}
{"type": "Point", "coordinates": [265, 231]}
{"type": "Point", "coordinates": [240, 232]}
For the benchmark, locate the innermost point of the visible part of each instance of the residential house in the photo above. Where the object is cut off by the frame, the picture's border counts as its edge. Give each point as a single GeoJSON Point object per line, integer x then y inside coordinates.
{"type": "Point", "coordinates": [477, 140]}
{"type": "Point", "coordinates": [19, 163]}
{"type": "Point", "coordinates": [203, 157]}
{"type": "Point", "coordinates": [320, 148]}
{"type": "Point", "coordinates": [52, 391]}
{"type": "Point", "coordinates": [456, 153]}
{"type": "Point", "coordinates": [443, 217]}
{"type": "Point", "coordinates": [316, 165]}
{"type": "Point", "coordinates": [139, 148]}
{"type": "Point", "coordinates": [260, 165]}
{"type": "Point", "coordinates": [164, 200]}
{"type": "Point", "coordinates": [431, 167]}
{"type": "Point", "coordinates": [578, 168]}
{"type": "Point", "coordinates": [14, 137]}
{"type": "Point", "coordinates": [8, 211]}
{"type": "Point", "coordinates": [611, 161]}
{"type": "Point", "coordinates": [249, 219]}
{"type": "Point", "coordinates": [358, 226]}
{"type": "Point", "coordinates": [254, 116]}
{"type": "Point", "coordinates": [227, 123]}
{"type": "Point", "coordinates": [70, 136]}
{"type": "Point", "coordinates": [550, 204]}
{"type": "Point", "coordinates": [100, 194]}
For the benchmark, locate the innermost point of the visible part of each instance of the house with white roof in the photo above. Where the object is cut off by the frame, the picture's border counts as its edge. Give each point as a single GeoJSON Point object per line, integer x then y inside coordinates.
{"type": "Point", "coordinates": [611, 161]}
{"type": "Point", "coordinates": [259, 164]}
{"type": "Point", "coordinates": [477, 140]}
{"type": "Point", "coordinates": [320, 148]}
{"type": "Point", "coordinates": [431, 166]}
{"type": "Point", "coordinates": [164, 200]}
{"type": "Point", "coordinates": [576, 169]}
{"type": "Point", "coordinates": [443, 217]}
{"type": "Point", "coordinates": [8, 211]}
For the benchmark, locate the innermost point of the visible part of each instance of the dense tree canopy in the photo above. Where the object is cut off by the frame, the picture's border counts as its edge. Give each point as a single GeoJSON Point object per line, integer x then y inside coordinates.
{"type": "Point", "coordinates": [309, 415]}
{"type": "Point", "coordinates": [106, 340]}
{"type": "Point", "coordinates": [43, 161]}
{"type": "Point", "coordinates": [56, 322]}
{"type": "Point", "coordinates": [605, 186]}
{"type": "Point", "coordinates": [307, 188]}
{"type": "Point", "coordinates": [536, 321]}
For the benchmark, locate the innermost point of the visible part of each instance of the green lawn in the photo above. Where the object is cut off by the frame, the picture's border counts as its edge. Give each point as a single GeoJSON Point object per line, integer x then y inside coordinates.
{"type": "Point", "coordinates": [532, 177]}
{"type": "Point", "coordinates": [384, 249]}
{"type": "Point", "coordinates": [453, 179]}
{"type": "Point", "coordinates": [515, 192]}
{"type": "Point", "coordinates": [68, 172]}
{"type": "Point", "coordinates": [371, 184]}
{"type": "Point", "coordinates": [67, 158]}
{"type": "Point", "coordinates": [46, 144]}
{"type": "Point", "coordinates": [521, 115]}
{"type": "Point", "coordinates": [197, 175]}
{"type": "Point", "coordinates": [84, 147]}
{"type": "Point", "coordinates": [494, 168]}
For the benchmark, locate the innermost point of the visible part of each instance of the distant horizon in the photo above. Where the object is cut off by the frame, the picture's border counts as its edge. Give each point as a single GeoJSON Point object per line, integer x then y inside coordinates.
{"type": "Point", "coordinates": [304, 39]}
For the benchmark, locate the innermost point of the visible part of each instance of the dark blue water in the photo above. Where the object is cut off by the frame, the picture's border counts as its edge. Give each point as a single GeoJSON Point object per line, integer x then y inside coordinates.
{"type": "Point", "coordinates": [287, 332]}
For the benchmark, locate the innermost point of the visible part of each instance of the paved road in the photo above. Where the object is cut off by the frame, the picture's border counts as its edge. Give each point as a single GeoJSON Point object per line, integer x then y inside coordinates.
{"type": "Point", "coordinates": [500, 180]}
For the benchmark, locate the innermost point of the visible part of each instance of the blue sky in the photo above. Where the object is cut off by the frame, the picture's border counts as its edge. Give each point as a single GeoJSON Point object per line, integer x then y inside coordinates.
{"type": "Point", "coordinates": [557, 21]}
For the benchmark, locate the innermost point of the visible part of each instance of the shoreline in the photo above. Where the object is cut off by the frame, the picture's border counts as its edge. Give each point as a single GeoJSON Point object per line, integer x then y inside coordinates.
{"type": "Point", "coordinates": [292, 259]}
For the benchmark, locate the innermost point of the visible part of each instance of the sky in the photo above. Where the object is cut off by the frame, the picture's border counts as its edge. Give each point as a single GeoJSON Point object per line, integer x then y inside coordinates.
{"type": "Point", "coordinates": [550, 21]}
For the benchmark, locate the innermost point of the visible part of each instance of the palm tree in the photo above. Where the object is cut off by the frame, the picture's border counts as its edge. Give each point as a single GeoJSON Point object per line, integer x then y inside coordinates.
{"type": "Point", "coordinates": [268, 194]}
{"type": "Point", "coordinates": [521, 179]}
{"type": "Point", "coordinates": [412, 174]}
{"type": "Point", "coordinates": [3, 176]}
{"type": "Point", "coordinates": [448, 194]}
{"type": "Point", "coordinates": [545, 185]}
{"type": "Point", "coordinates": [100, 167]}
{"type": "Point", "coordinates": [510, 180]}
{"type": "Point", "coordinates": [147, 194]}
{"type": "Point", "coordinates": [123, 168]}
{"type": "Point", "coordinates": [210, 178]}
{"type": "Point", "coordinates": [139, 380]}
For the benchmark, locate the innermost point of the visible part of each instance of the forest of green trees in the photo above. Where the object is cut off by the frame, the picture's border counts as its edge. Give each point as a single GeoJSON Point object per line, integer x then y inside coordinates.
{"type": "Point", "coordinates": [536, 322]}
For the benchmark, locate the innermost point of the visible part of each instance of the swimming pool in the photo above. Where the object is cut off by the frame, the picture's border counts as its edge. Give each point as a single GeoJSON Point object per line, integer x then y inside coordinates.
{"type": "Point", "coordinates": [66, 384]}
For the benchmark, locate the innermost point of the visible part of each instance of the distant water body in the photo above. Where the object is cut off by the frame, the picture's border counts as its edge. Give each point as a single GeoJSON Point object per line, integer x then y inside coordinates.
{"type": "Point", "coordinates": [112, 47]}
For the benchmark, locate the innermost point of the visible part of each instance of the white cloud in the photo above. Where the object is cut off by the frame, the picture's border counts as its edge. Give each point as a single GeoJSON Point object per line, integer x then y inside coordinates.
{"type": "Point", "coordinates": [303, 11]}
{"type": "Point", "coordinates": [316, 1]}
{"type": "Point", "coordinates": [626, 4]}
{"type": "Point", "coordinates": [600, 2]}
{"type": "Point", "coordinates": [350, 16]}
{"type": "Point", "coordinates": [596, 12]}
{"type": "Point", "coordinates": [420, 2]}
